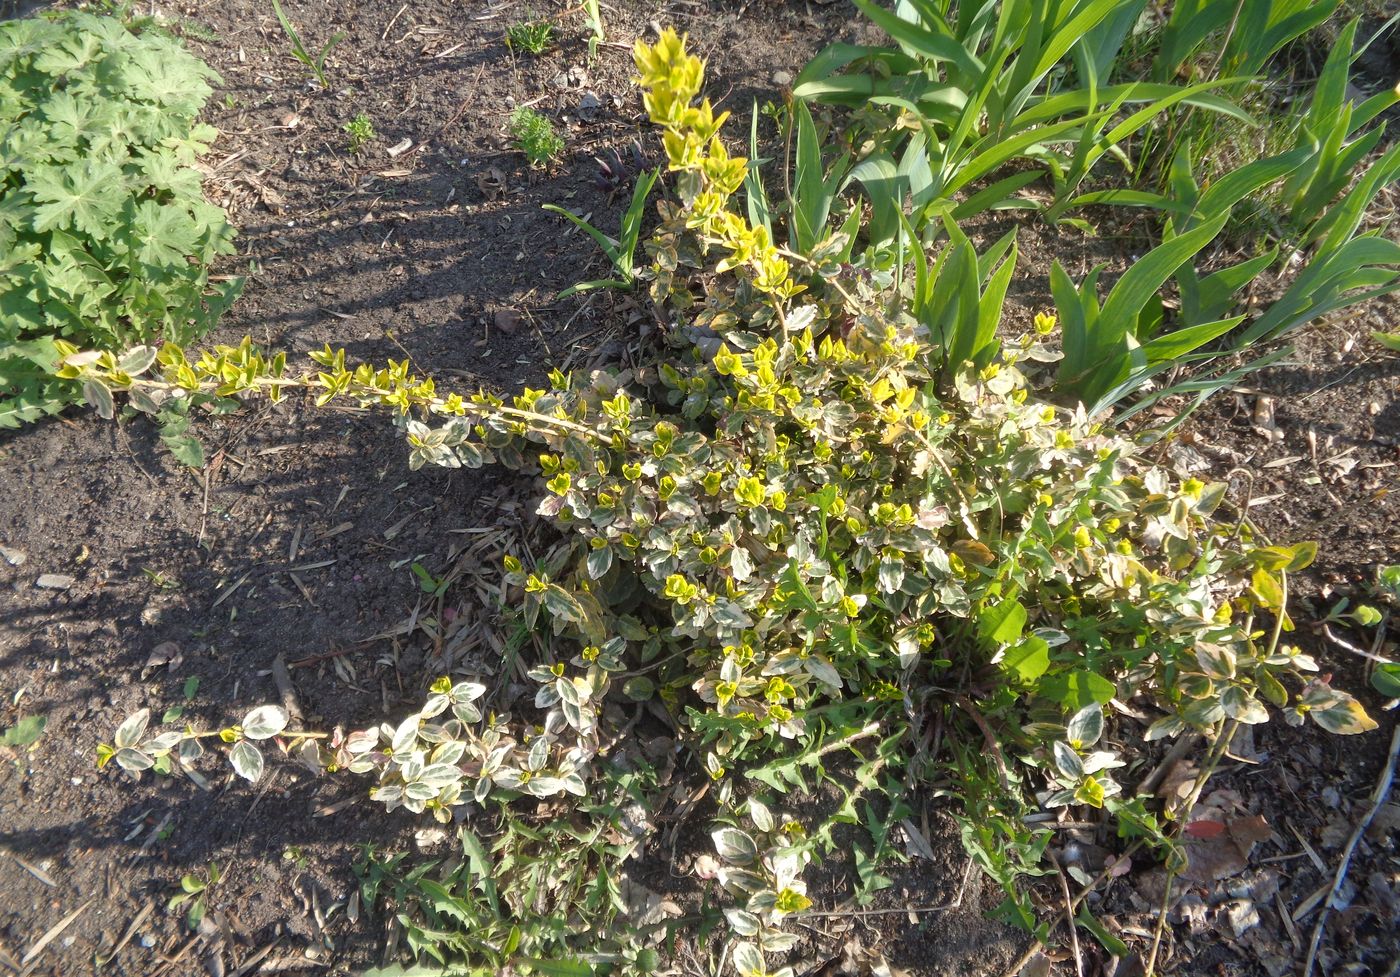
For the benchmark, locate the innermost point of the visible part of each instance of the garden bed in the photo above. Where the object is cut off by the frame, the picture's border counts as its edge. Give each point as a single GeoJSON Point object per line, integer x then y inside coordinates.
{"type": "Point", "coordinates": [296, 542]}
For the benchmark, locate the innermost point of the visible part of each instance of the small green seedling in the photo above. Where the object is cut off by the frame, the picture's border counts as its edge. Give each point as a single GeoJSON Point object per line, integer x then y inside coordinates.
{"type": "Point", "coordinates": [26, 732]}
{"type": "Point", "coordinates": [195, 889]}
{"type": "Point", "coordinates": [1390, 340]}
{"type": "Point", "coordinates": [316, 65]}
{"type": "Point", "coordinates": [159, 580]}
{"type": "Point", "coordinates": [361, 132]}
{"type": "Point", "coordinates": [431, 585]}
{"type": "Point", "coordinates": [530, 36]}
{"type": "Point", "coordinates": [1360, 616]}
{"type": "Point", "coordinates": [177, 711]}
{"type": "Point", "coordinates": [1385, 675]}
{"type": "Point", "coordinates": [593, 16]}
{"type": "Point", "coordinates": [620, 250]}
{"type": "Point", "coordinates": [534, 135]}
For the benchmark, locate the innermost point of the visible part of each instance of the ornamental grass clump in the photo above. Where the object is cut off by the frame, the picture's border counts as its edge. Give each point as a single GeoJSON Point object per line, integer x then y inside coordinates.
{"type": "Point", "coordinates": [813, 542]}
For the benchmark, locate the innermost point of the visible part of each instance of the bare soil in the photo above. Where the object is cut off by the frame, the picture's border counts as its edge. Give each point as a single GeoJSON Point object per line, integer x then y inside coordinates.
{"type": "Point", "coordinates": [296, 541]}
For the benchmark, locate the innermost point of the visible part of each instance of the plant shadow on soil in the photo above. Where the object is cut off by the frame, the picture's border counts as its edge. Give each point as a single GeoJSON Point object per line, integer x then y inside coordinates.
{"type": "Point", "coordinates": [449, 260]}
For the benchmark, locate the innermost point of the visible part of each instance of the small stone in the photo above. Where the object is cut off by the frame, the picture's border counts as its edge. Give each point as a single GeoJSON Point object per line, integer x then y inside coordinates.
{"type": "Point", "coordinates": [507, 320]}
{"type": "Point", "coordinates": [782, 78]}
{"type": "Point", "coordinates": [588, 107]}
{"type": "Point", "coordinates": [12, 556]}
{"type": "Point", "coordinates": [429, 837]}
{"type": "Point", "coordinates": [55, 581]}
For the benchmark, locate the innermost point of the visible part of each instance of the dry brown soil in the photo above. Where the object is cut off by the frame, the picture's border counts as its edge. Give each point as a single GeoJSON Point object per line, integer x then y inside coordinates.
{"type": "Point", "coordinates": [441, 253]}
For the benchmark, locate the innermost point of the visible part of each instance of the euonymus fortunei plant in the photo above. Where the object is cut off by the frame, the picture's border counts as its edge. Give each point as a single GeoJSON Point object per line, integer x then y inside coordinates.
{"type": "Point", "coordinates": [813, 543]}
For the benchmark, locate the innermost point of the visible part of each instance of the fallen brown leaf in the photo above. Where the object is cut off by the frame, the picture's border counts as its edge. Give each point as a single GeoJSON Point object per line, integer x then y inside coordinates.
{"type": "Point", "coordinates": [1217, 848]}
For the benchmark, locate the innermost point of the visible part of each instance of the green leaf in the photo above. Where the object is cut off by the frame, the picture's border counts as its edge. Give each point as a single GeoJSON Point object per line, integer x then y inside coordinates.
{"type": "Point", "coordinates": [264, 722]}
{"type": "Point", "coordinates": [1177, 343]}
{"type": "Point", "coordinates": [1000, 195]}
{"type": "Point", "coordinates": [1289, 558]}
{"type": "Point", "coordinates": [880, 177]}
{"type": "Point", "coordinates": [556, 968]}
{"type": "Point", "coordinates": [639, 688]}
{"type": "Point", "coordinates": [1085, 726]}
{"type": "Point", "coordinates": [187, 449]}
{"type": "Point", "coordinates": [735, 846]}
{"type": "Point", "coordinates": [1344, 716]}
{"type": "Point", "coordinates": [25, 732]}
{"type": "Point", "coordinates": [1067, 760]}
{"type": "Point", "coordinates": [1003, 622]}
{"type": "Point", "coordinates": [562, 604]}
{"type": "Point", "coordinates": [1078, 688]}
{"type": "Point", "coordinates": [793, 592]}
{"type": "Point", "coordinates": [1143, 278]}
{"type": "Point", "coordinates": [1029, 660]}
{"type": "Point", "coordinates": [609, 245]}
{"type": "Point", "coordinates": [748, 960]}
{"type": "Point", "coordinates": [99, 398]}
{"type": "Point", "coordinates": [1386, 680]}
{"type": "Point", "coordinates": [162, 236]}
{"type": "Point", "coordinates": [600, 561]}
{"type": "Point", "coordinates": [86, 197]}
{"type": "Point", "coordinates": [920, 40]}
{"type": "Point", "coordinates": [632, 222]}
{"type": "Point", "coordinates": [1267, 588]}
{"type": "Point", "coordinates": [247, 761]}
{"type": "Point", "coordinates": [430, 970]}
{"type": "Point", "coordinates": [137, 360]}
{"type": "Point", "coordinates": [131, 730]}
{"type": "Point", "coordinates": [755, 195]}
{"type": "Point", "coordinates": [1075, 319]}
{"type": "Point", "coordinates": [1107, 940]}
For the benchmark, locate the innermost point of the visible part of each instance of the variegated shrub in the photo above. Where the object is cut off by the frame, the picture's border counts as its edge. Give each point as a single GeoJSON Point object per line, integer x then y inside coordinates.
{"type": "Point", "coordinates": [814, 546]}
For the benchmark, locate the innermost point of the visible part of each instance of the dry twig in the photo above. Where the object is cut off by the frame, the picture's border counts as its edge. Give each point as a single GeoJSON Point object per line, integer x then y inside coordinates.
{"type": "Point", "coordinates": [1346, 645]}
{"type": "Point", "coordinates": [1069, 913]}
{"type": "Point", "coordinates": [53, 934]}
{"type": "Point", "coordinates": [1378, 798]}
